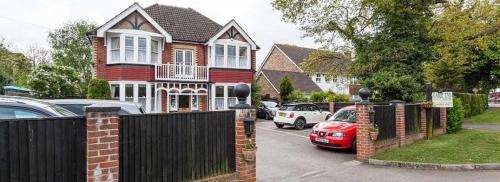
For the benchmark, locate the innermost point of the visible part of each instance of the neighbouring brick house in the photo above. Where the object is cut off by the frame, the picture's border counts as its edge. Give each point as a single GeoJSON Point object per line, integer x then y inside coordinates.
{"type": "Point", "coordinates": [284, 60]}
{"type": "Point", "coordinates": [172, 59]}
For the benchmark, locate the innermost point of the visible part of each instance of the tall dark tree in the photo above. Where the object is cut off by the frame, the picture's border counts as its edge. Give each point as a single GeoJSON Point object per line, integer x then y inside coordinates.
{"type": "Point", "coordinates": [390, 37]}
{"type": "Point", "coordinates": [70, 47]}
{"type": "Point", "coordinates": [286, 88]}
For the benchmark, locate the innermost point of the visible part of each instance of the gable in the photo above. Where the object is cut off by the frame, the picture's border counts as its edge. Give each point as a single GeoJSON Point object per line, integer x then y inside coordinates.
{"type": "Point", "coordinates": [233, 33]}
{"type": "Point", "coordinates": [136, 21]}
{"type": "Point", "coordinates": [239, 31]}
{"type": "Point", "coordinates": [277, 60]}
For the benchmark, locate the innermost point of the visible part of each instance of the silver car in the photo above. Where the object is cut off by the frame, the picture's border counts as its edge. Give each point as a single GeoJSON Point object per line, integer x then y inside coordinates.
{"type": "Point", "coordinates": [77, 105]}
{"type": "Point", "coordinates": [13, 107]}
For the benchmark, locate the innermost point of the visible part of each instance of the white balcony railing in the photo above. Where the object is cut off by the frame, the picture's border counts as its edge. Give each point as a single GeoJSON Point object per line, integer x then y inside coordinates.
{"type": "Point", "coordinates": [181, 72]}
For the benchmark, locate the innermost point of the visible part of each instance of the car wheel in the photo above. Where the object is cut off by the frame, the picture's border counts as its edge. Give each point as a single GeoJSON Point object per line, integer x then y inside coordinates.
{"type": "Point", "coordinates": [300, 124]}
{"type": "Point", "coordinates": [279, 125]}
{"type": "Point", "coordinates": [328, 116]}
{"type": "Point", "coordinates": [268, 117]}
{"type": "Point", "coordinates": [354, 147]}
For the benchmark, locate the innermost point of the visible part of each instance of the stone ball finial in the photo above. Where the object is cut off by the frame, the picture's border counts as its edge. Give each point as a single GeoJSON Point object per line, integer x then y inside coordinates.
{"type": "Point", "coordinates": [241, 91]}
{"type": "Point", "coordinates": [364, 93]}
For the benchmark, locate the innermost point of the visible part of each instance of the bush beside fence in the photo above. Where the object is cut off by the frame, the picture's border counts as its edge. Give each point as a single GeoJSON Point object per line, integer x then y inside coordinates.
{"type": "Point", "coordinates": [473, 104]}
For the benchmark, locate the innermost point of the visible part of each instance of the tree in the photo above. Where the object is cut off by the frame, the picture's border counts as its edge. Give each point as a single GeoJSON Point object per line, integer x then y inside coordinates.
{"type": "Point", "coordinates": [37, 55]}
{"type": "Point", "coordinates": [333, 64]}
{"type": "Point", "coordinates": [52, 81]}
{"type": "Point", "coordinates": [4, 80]}
{"type": "Point", "coordinates": [98, 89]}
{"type": "Point", "coordinates": [70, 47]}
{"type": "Point", "coordinates": [286, 89]}
{"type": "Point", "coordinates": [13, 65]}
{"type": "Point", "coordinates": [255, 94]}
{"type": "Point", "coordinates": [389, 36]}
{"type": "Point", "coordinates": [466, 46]}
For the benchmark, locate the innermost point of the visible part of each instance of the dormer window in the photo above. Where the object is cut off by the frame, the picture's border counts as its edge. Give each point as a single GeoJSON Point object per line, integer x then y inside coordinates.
{"type": "Point", "coordinates": [136, 49]}
{"type": "Point", "coordinates": [231, 54]}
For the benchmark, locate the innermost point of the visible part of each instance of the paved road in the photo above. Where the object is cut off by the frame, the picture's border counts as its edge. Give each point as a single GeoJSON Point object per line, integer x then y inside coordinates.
{"type": "Point", "coordinates": [287, 155]}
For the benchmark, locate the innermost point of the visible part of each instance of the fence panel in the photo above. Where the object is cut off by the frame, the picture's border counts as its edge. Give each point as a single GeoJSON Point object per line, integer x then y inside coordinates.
{"type": "Point", "coordinates": [325, 106]}
{"type": "Point", "coordinates": [412, 118]}
{"type": "Point", "coordinates": [385, 118]}
{"type": "Point", "coordinates": [436, 115]}
{"type": "Point", "coordinates": [176, 146]}
{"type": "Point", "coordinates": [49, 149]}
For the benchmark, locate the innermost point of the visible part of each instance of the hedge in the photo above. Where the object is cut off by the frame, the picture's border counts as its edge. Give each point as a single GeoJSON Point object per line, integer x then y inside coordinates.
{"type": "Point", "coordinates": [473, 104]}
{"type": "Point", "coordinates": [98, 89]}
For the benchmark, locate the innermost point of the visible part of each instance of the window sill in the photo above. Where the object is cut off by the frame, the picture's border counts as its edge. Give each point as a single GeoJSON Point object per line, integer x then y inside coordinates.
{"type": "Point", "coordinates": [125, 63]}
{"type": "Point", "coordinates": [219, 67]}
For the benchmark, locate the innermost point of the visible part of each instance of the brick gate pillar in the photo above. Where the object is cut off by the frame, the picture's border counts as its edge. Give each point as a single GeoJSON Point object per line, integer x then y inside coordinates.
{"type": "Point", "coordinates": [400, 121]}
{"type": "Point", "coordinates": [247, 170]}
{"type": "Point", "coordinates": [331, 107]}
{"type": "Point", "coordinates": [423, 121]}
{"type": "Point", "coordinates": [365, 146]}
{"type": "Point", "coordinates": [102, 143]}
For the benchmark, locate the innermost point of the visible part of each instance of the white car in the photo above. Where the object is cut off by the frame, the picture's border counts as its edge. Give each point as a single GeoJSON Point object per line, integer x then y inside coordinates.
{"type": "Point", "coordinates": [299, 115]}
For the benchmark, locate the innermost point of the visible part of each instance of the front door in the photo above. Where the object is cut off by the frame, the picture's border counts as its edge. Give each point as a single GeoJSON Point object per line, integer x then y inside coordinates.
{"type": "Point", "coordinates": [184, 63]}
{"type": "Point", "coordinates": [184, 103]}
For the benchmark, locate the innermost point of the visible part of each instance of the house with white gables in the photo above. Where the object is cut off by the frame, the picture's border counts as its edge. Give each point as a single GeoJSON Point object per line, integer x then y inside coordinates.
{"type": "Point", "coordinates": [172, 59]}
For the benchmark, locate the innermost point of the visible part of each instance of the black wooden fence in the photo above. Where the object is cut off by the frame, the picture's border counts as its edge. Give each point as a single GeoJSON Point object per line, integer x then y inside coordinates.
{"type": "Point", "coordinates": [436, 116]}
{"type": "Point", "coordinates": [176, 146]}
{"type": "Point", "coordinates": [325, 106]}
{"type": "Point", "coordinates": [51, 149]}
{"type": "Point", "coordinates": [385, 118]}
{"type": "Point", "coordinates": [412, 118]}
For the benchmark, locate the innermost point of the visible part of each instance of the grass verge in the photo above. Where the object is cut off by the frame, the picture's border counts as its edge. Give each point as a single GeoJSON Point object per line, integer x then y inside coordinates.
{"type": "Point", "coordinates": [490, 116]}
{"type": "Point", "coordinates": [464, 147]}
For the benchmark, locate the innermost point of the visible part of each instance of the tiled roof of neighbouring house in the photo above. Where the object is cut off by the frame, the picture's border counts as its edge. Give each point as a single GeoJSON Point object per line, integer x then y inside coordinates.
{"type": "Point", "coordinates": [300, 81]}
{"type": "Point", "coordinates": [184, 24]}
{"type": "Point", "coordinates": [296, 54]}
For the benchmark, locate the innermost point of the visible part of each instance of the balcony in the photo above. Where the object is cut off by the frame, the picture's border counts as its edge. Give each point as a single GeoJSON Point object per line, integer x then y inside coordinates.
{"type": "Point", "coordinates": [181, 72]}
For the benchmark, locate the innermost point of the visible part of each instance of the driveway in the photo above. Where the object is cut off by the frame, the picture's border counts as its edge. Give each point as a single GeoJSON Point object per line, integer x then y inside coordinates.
{"type": "Point", "coordinates": [287, 155]}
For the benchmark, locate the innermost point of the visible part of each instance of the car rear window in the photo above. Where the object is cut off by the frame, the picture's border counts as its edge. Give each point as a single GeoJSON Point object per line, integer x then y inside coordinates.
{"type": "Point", "coordinates": [287, 108]}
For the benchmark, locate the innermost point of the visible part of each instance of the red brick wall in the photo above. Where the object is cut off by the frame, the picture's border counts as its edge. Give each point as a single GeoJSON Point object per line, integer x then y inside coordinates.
{"type": "Point", "coordinates": [102, 146]}
{"type": "Point", "coordinates": [230, 75]}
{"type": "Point", "coordinates": [246, 170]}
{"type": "Point", "coordinates": [128, 72]}
{"type": "Point", "coordinates": [99, 57]}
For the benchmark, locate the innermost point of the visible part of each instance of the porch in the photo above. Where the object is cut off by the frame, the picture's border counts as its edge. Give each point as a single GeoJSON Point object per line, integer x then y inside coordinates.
{"type": "Point", "coordinates": [180, 97]}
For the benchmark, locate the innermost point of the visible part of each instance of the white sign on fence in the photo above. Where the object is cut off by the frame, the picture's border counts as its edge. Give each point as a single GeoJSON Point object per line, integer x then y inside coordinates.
{"type": "Point", "coordinates": [442, 99]}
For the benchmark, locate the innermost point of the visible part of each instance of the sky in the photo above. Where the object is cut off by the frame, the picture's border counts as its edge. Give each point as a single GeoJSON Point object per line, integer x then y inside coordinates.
{"type": "Point", "coordinates": [27, 22]}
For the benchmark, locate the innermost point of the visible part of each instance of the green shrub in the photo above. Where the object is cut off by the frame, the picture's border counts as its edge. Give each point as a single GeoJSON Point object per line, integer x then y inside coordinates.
{"type": "Point", "coordinates": [455, 116]}
{"type": "Point", "coordinates": [98, 89]}
{"type": "Point", "coordinates": [297, 96]}
{"type": "Point", "coordinates": [473, 104]}
{"type": "Point", "coordinates": [319, 96]}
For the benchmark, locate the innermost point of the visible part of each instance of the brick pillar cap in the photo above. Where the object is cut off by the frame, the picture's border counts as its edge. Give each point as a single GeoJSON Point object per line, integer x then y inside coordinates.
{"type": "Point", "coordinates": [397, 102]}
{"type": "Point", "coordinates": [101, 108]}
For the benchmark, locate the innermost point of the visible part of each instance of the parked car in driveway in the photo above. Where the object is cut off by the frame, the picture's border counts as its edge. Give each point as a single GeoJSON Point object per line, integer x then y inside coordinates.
{"type": "Point", "coordinates": [267, 110]}
{"type": "Point", "coordinates": [339, 131]}
{"type": "Point", "coordinates": [299, 115]}
{"type": "Point", "coordinates": [12, 107]}
{"type": "Point", "coordinates": [77, 105]}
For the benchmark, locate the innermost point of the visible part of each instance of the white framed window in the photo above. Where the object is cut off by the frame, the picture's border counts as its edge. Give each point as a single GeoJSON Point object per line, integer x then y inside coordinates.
{"type": "Point", "coordinates": [231, 98]}
{"type": "Point", "coordinates": [142, 50]}
{"type": "Point", "coordinates": [142, 94]}
{"type": "Point", "coordinates": [173, 103]}
{"type": "Point", "coordinates": [230, 54]}
{"type": "Point", "coordinates": [115, 49]}
{"type": "Point", "coordinates": [184, 62]}
{"type": "Point", "coordinates": [223, 96]}
{"type": "Point", "coordinates": [115, 91]}
{"type": "Point", "coordinates": [243, 57]}
{"type": "Point", "coordinates": [219, 55]}
{"type": "Point", "coordinates": [219, 97]}
{"type": "Point", "coordinates": [154, 52]}
{"type": "Point", "coordinates": [194, 102]}
{"type": "Point", "coordinates": [318, 77]}
{"type": "Point", "coordinates": [133, 49]}
{"type": "Point", "coordinates": [129, 92]}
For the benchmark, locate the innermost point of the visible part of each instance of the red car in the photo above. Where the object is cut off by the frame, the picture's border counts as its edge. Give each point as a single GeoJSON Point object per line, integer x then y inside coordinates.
{"type": "Point", "coordinates": [338, 131]}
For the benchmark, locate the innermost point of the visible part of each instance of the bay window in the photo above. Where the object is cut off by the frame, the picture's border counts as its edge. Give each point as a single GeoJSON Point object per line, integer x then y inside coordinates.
{"type": "Point", "coordinates": [219, 97]}
{"type": "Point", "coordinates": [129, 92]}
{"type": "Point", "coordinates": [134, 49]}
{"type": "Point", "coordinates": [231, 56]}
{"type": "Point", "coordinates": [224, 96]}
{"type": "Point", "coordinates": [115, 91]}
{"type": "Point", "coordinates": [142, 95]}
{"type": "Point", "coordinates": [140, 92]}
{"type": "Point", "coordinates": [231, 98]}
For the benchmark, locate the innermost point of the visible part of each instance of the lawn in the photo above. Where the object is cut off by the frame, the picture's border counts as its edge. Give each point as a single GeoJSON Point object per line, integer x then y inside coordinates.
{"type": "Point", "coordinates": [490, 116]}
{"type": "Point", "coordinates": [466, 146]}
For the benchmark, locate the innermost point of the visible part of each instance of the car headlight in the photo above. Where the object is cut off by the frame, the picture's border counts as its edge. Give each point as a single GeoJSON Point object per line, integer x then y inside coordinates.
{"type": "Point", "coordinates": [337, 134]}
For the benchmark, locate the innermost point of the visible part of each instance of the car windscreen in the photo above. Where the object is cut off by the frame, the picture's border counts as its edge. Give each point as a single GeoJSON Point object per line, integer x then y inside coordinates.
{"type": "Point", "coordinates": [345, 115]}
{"type": "Point", "coordinates": [270, 104]}
{"type": "Point", "coordinates": [287, 108]}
